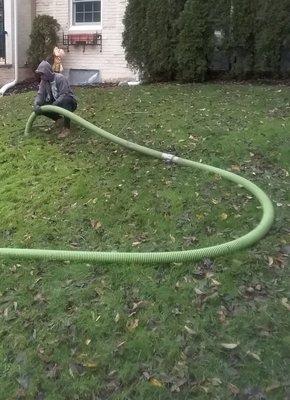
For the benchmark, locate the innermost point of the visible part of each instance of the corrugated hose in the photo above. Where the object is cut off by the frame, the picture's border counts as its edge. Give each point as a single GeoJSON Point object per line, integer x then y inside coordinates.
{"type": "Point", "coordinates": [151, 257]}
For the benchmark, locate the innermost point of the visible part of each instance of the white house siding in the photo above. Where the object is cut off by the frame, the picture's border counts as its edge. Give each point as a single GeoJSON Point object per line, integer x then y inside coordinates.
{"type": "Point", "coordinates": [6, 74]}
{"type": "Point", "coordinates": [25, 17]}
{"type": "Point", "coordinates": [111, 61]}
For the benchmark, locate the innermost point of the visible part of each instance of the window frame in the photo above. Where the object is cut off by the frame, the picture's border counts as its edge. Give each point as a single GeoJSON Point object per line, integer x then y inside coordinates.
{"type": "Point", "coordinates": [75, 24]}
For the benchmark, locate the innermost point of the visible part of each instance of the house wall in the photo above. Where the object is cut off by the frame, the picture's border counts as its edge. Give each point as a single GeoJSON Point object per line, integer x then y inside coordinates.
{"type": "Point", "coordinates": [7, 74]}
{"type": "Point", "coordinates": [26, 14]}
{"type": "Point", "coordinates": [111, 61]}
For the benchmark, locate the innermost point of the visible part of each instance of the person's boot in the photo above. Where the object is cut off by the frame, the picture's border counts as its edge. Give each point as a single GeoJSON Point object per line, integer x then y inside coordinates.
{"type": "Point", "coordinates": [58, 124]}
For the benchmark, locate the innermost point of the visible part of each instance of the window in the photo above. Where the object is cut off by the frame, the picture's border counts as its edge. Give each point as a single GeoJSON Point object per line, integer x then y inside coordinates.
{"type": "Point", "coordinates": [86, 12]}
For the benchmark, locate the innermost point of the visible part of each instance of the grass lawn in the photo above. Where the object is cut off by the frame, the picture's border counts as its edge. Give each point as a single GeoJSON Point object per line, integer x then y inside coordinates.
{"type": "Point", "coordinates": [218, 329]}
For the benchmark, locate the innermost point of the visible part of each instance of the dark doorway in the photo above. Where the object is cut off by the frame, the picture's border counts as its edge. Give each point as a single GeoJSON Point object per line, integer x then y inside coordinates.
{"type": "Point", "coordinates": [2, 33]}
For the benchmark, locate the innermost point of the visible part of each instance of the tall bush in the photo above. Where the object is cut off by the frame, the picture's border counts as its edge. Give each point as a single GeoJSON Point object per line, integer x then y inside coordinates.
{"type": "Point", "coordinates": [273, 30]}
{"type": "Point", "coordinates": [195, 41]}
{"type": "Point", "coordinates": [135, 35]}
{"type": "Point", "coordinates": [220, 16]}
{"type": "Point", "coordinates": [44, 37]}
{"type": "Point", "coordinates": [162, 26]}
{"type": "Point", "coordinates": [150, 35]}
{"type": "Point", "coordinates": [242, 37]}
{"type": "Point", "coordinates": [184, 39]}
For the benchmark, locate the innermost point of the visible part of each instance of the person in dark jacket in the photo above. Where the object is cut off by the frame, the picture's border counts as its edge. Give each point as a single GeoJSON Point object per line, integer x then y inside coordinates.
{"type": "Point", "coordinates": [55, 90]}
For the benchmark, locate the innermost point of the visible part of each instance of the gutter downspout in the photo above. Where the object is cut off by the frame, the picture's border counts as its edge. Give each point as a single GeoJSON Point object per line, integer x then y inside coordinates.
{"type": "Point", "coordinates": [13, 83]}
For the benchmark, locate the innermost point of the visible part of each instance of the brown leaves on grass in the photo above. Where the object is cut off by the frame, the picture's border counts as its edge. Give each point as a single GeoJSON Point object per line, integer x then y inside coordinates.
{"type": "Point", "coordinates": [285, 303]}
{"type": "Point", "coordinates": [155, 382]}
{"type": "Point", "coordinates": [139, 239]}
{"type": "Point", "coordinates": [52, 371]}
{"type": "Point", "coordinates": [96, 224]}
{"type": "Point", "coordinates": [234, 390]}
{"type": "Point", "coordinates": [255, 291]}
{"type": "Point", "coordinates": [173, 381]}
{"type": "Point", "coordinates": [189, 240]}
{"type": "Point", "coordinates": [235, 168]}
{"type": "Point", "coordinates": [152, 380]}
{"type": "Point", "coordinates": [253, 355]}
{"type": "Point", "coordinates": [132, 325]}
{"type": "Point", "coordinates": [139, 305]}
{"type": "Point", "coordinates": [279, 261]}
{"type": "Point", "coordinates": [222, 315]}
{"type": "Point", "coordinates": [224, 216]}
{"type": "Point", "coordinates": [189, 330]}
{"type": "Point", "coordinates": [40, 298]}
{"type": "Point", "coordinates": [208, 292]}
{"type": "Point", "coordinates": [203, 268]}
{"type": "Point", "coordinates": [76, 369]}
{"type": "Point", "coordinates": [276, 385]}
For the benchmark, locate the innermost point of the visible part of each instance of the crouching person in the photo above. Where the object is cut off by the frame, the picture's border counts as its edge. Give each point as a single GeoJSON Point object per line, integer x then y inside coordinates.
{"type": "Point", "coordinates": [55, 90]}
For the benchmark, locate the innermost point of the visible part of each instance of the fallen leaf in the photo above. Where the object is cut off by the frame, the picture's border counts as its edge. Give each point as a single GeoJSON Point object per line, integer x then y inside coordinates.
{"type": "Point", "coordinates": [39, 298]}
{"type": "Point", "coordinates": [230, 346]}
{"type": "Point", "coordinates": [224, 216]}
{"type": "Point", "coordinates": [117, 317]}
{"type": "Point", "coordinates": [132, 325]}
{"type": "Point", "coordinates": [172, 238]}
{"type": "Point", "coordinates": [235, 168]}
{"type": "Point", "coordinates": [188, 240]}
{"type": "Point", "coordinates": [146, 375]}
{"type": "Point", "coordinates": [76, 369]}
{"type": "Point", "coordinates": [222, 313]}
{"type": "Point", "coordinates": [52, 371]}
{"type": "Point", "coordinates": [90, 365]}
{"type": "Point", "coordinates": [189, 330]}
{"type": "Point", "coordinates": [285, 303]}
{"type": "Point", "coordinates": [233, 389]}
{"type": "Point", "coordinates": [155, 382]}
{"type": "Point", "coordinates": [121, 344]}
{"type": "Point", "coordinates": [177, 385]}
{"type": "Point", "coordinates": [254, 355]}
{"type": "Point", "coordinates": [275, 386]}
{"type": "Point", "coordinates": [215, 282]}
{"type": "Point", "coordinates": [204, 388]}
{"type": "Point", "coordinates": [194, 138]}
{"type": "Point", "coordinates": [270, 261]}
{"type": "Point", "coordinates": [140, 304]}
{"type": "Point", "coordinates": [216, 381]}
{"type": "Point", "coordinates": [95, 224]}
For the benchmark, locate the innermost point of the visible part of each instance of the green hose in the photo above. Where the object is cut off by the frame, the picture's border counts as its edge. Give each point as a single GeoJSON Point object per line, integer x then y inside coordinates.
{"type": "Point", "coordinates": [157, 257]}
